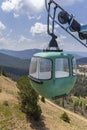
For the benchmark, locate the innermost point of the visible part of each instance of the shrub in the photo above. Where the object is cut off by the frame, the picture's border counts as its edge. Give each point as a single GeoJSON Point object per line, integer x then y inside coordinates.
{"type": "Point", "coordinates": [5, 103]}
{"type": "Point", "coordinates": [65, 117]}
{"type": "Point", "coordinates": [43, 99]}
{"type": "Point", "coordinates": [28, 98]}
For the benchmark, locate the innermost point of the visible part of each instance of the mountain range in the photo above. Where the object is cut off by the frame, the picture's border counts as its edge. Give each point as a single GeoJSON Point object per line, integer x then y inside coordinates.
{"type": "Point", "coordinates": [13, 65]}
{"type": "Point", "coordinates": [18, 61]}
{"type": "Point", "coordinates": [24, 54]}
{"type": "Point", "coordinates": [27, 54]}
{"type": "Point", "coordinates": [10, 61]}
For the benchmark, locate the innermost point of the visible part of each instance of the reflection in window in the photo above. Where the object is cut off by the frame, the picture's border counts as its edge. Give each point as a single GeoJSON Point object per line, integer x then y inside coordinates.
{"type": "Point", "coordinates": [33, 68]}
{"type": "Point", "coordinates": [45, 68]}
{"type": "Point", "coordinates": [74, 66]}
{"type": "Point", "coordinates": [40, 68]}
{"type": "Point", "coordinates": [61, 67]}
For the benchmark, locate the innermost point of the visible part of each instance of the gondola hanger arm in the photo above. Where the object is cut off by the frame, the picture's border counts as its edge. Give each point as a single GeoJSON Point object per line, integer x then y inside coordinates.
{"type": "Point", "coordinates": [70, 23]}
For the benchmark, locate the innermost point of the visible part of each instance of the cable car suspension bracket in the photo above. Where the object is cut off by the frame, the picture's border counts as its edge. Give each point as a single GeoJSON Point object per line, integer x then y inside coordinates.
{"type": "Point", "coordinates": [62, 18]}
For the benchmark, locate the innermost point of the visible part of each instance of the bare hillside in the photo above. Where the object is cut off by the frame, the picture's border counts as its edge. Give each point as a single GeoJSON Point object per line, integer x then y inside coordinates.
{"type": "Point", "coordinates": [11, 118]}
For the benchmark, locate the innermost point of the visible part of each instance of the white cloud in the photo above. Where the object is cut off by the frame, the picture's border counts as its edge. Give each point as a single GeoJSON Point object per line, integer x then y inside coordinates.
{"type": "Point", "coordinates": [23, 6]}
{"type": "Point", "coordinates": [2, 26]}
{"type": "Point", "coordinates": [31, 17]}
{"type": "Point", "coordinates": [30, 7]}
{"type": "Point", "coordinates": [24, 39]}
{"type": "Point", "coordinates": [39, 29]}
{"type": "Point", "coordinates": [34, 17]}
{"type": "Point", "coordinates": [9, 5]}
{"type": "Point", "coordinates": [7, 43]}
{"type": "Point", "coordinates": [38, 4]}
{"type": "Point", "coordinates": [16, 44]}
{"type": "Point", "coordinates": [27, 43]}
{"type": "Point", "coordinates": [16, 15]}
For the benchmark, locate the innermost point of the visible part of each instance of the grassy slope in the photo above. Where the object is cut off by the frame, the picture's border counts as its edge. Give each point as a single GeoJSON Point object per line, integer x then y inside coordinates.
{"type": "Point", "coordinates": [12, 118]}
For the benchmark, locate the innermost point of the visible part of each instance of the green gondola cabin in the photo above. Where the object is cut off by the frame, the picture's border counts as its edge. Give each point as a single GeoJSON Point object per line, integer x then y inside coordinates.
{"type": "Point", "coordinates": [52, 74]}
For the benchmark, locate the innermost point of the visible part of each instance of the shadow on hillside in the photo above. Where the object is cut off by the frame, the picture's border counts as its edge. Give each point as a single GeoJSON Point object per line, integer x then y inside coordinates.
{"type": "Point", "coordinates": [37, 125]}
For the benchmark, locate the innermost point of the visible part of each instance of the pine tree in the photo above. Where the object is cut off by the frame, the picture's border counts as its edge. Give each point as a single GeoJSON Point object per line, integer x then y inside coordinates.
{"type": "Point", "coordinates": [28, 98]}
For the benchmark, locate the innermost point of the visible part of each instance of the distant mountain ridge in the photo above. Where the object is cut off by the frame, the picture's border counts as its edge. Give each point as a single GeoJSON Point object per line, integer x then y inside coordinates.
{"type": "Point", "coordinates": [18, 61]}
{"type": "Point", "coordinates": [24, 54]}
{"type": "Point", "coordinates": [27, 54]}
{"type": "Point", "coordinates": [10, 61]}
{"type": "Point", "coordinates": [13, 65]}
{"type": "Point", "coordinates": [77, 54]}
{"type": "Point", "coordinates": [21, 59]}
{"type": "Point", "coordinates": [82, 61]}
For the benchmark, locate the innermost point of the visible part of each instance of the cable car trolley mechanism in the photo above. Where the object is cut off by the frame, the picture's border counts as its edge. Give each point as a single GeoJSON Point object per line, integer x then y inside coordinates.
{"type": "Point", "coordinates": [52, 72]}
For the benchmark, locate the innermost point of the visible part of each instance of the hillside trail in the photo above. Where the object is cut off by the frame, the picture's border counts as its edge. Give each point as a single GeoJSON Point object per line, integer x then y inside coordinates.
{"type": "Point", "coordinates": [67, 111]}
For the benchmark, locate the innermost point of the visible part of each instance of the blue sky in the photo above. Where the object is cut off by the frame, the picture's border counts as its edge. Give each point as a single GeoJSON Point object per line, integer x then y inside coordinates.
{"type": "Point", "coordinates": [23, 24]}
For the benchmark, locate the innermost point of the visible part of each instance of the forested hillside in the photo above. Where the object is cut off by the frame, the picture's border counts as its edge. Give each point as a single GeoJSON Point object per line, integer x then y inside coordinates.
{"type": "Point", "coordinates": [10, 61]}
{"type": "Point", "coordinates": [14, 66]}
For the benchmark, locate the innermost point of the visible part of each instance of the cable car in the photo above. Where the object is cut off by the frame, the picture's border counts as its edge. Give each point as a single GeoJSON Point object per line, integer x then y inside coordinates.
{"type": "Point", "coordinates": [52, 73]}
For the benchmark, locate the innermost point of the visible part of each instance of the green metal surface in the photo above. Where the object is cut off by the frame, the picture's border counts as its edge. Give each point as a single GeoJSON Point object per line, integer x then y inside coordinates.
{"type": "Point", "coordinates": [53, 55]}
{"type": "Point", "coordinates": [55, 86]}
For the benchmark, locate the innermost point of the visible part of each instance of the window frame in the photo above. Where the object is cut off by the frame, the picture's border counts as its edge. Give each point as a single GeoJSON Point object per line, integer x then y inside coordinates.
{"type": "Point", "coordinates": [74, 74]}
